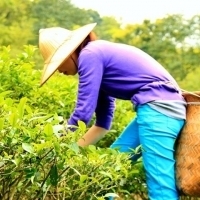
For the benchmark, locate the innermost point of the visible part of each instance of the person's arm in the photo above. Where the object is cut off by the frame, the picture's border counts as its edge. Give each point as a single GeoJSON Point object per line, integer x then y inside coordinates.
{"type": "Point", "coordinates": [92, 136]}
{"type": "Point", "coordinates": [92, 99]}
{"type": "Point", "coordinates": [104, 114]}
{"type": "Point", "coordinates": [90, 77]}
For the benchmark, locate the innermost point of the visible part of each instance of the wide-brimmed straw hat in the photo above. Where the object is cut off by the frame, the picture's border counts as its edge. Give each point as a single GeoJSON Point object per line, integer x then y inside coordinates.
{"type": "Point", "coordinates": [56, 44]}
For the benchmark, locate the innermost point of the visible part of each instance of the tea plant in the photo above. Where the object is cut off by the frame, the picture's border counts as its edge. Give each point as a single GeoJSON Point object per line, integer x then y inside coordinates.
{"type": "Point", "coordinates": [35, 162]}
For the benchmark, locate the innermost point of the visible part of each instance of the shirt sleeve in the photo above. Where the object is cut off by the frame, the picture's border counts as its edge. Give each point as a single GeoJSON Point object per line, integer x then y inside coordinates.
{"type": "Point", "coordinates": [90, 72]}
{"type": "Point", "coordinates": [104, 110]}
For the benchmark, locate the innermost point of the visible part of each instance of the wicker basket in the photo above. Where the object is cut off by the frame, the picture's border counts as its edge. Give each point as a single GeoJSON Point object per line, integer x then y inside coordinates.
{"type": "Point", "coordinates": [188, 149]}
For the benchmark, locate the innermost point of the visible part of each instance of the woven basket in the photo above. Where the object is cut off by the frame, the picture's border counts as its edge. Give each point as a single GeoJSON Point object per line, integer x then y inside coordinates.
{"type": "Point", "coordinates": [188, 149]}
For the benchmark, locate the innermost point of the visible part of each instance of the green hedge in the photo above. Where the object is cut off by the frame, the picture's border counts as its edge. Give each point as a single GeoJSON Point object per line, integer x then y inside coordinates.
{"type": "Point", "coordinates": [35, 162]}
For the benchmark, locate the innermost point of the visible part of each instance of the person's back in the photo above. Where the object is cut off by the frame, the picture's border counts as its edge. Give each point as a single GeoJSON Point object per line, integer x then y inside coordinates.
{"type": "Point", "coordinates": [126, 72]}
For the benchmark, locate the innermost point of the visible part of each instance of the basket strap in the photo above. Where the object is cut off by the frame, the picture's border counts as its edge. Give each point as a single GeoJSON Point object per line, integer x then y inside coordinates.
{"type": "Point", "coordinates": [182, 90]}
{"type": "Point", "coordinates": [194, 103]}
{"type": "Point", "coordinates": [192, 93]}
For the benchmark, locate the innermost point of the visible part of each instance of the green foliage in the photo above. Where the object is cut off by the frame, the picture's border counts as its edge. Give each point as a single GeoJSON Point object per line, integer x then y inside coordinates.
{"type": "Point", "coordinates": [107, 28]}
{"type": "Point", "coordinates": [35, 162]}
{"type": "Point", "coordinates": [195, 27]}
{"type": "Point", "coordinates": [172, 40]}
{"type": "Point", "coordinates": [191, 82]}
{"type": "Point", "coordinates": [16, 74]}
{"type": "Point", "coordinates": [15, 27]}
{"type": "Point", "coordinates": [59, 13]}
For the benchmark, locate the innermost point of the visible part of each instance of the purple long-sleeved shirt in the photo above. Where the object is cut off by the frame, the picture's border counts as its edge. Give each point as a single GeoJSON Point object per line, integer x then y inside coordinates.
{"type": "Point", "coordinates": [110, 70]}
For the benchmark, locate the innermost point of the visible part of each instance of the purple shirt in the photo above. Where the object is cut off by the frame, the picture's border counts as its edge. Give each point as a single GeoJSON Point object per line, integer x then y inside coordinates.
{"type": "Point", "coordinates": [110, 70]}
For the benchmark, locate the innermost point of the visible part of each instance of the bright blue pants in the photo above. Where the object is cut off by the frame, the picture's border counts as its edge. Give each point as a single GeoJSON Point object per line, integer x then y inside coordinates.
{"type": "Point", "coordinates": [156, 133]}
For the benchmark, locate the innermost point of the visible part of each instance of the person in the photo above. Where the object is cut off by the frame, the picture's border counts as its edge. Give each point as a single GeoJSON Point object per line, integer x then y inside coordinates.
{"type": "Point", "coordinates": [109, 71]}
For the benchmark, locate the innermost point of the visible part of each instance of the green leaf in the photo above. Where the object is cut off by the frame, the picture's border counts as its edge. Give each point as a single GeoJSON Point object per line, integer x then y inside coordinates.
{"type": "Point", "coordinates": [39, 147]}
{"type": "Point", "coordinates": [54, 175]}
{"type": "Point", "coordinates": [30, 172]}
{"type": "Point", "coordinates": [3, 94]}
{"type": "Point", "coordinates": [28, 109]}
{"type": "Point", "coordinates": [16, 161]}
{"type": "Point", "coordinates": [56, 147]}
{"type": "Point", "coordinates": [13, 119]}
{"type": "Point", "coordinates": [82, 126]}
{"type": "Point", "coordinates": [40, 118]}
{"type": "Point", "coordinates": [2, 163]}
{"type": "Point", "coordinates": [103, 156]}
{"type": "Point", "coordinates": [48, 130]}
{"type": "Point", "coordinates": [74, 147]}
{"type": "Point", "coordinates": [32, 179]}
{"type": "Point", "coordinates": [106, 174]}
{"type": "Point", "coordinates": [21, 107]}
{"type": "Point", "coordinates": [1, 123]}
{"type": "Point", "coordinates": [111, 195]}
{"type": "Point", "coordinates": [76, 171]}
{"type": "Point", "coordinates": [28, 147]}
{"type": "Point", "coordinates": [9, 102]}
{"type": "Point", "coordinates": [83, 177]}
{"type": "Point", "coordinates": [25, 55]}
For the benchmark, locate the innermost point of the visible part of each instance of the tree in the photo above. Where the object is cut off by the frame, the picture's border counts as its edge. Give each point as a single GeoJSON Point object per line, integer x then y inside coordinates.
{"type": "Point", "coordinates": [166, 41]}
{"type": "Point", "coordinates": [107, 28]}
{"type": "Point", "coordinates": [15, 27]}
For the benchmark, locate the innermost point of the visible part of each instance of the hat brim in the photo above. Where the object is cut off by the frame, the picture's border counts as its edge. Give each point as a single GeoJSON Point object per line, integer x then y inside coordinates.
{"type": "Point", "coordinates": [65, 50]}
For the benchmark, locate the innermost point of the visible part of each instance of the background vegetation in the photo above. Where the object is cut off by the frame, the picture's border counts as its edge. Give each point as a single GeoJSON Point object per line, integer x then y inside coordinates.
{"type": "Point", "coordinates": [35, 163]}
{"type": "Point", "coordinates": [173, 40]}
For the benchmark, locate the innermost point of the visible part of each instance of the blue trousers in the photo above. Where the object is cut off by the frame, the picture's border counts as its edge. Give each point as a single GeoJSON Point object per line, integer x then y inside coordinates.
{"type": "Point", "coordinates": [156, 133]}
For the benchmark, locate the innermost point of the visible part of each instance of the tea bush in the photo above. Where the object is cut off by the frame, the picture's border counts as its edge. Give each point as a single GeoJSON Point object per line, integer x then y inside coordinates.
{"type": "Point", "coordinates": [35, 162]}
{"type": "Point", "coordinates": [18, 76]}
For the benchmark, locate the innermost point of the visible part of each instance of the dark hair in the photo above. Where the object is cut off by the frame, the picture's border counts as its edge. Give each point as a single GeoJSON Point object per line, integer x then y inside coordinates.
{"type": "Point", "coordinates": [91, 37]}
{"type": "Point", "coordinates": [82, 45]}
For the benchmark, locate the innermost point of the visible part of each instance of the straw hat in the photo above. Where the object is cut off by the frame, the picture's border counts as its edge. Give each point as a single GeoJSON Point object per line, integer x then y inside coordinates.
{"type": "Point", "coordinates": [56, 44]}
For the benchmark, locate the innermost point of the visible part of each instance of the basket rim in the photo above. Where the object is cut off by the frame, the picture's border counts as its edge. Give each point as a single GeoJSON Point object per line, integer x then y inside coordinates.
{"type": "Point", "coordinates": [194, 103]}
{"type": "Point", "coordinates": [194, 93]}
